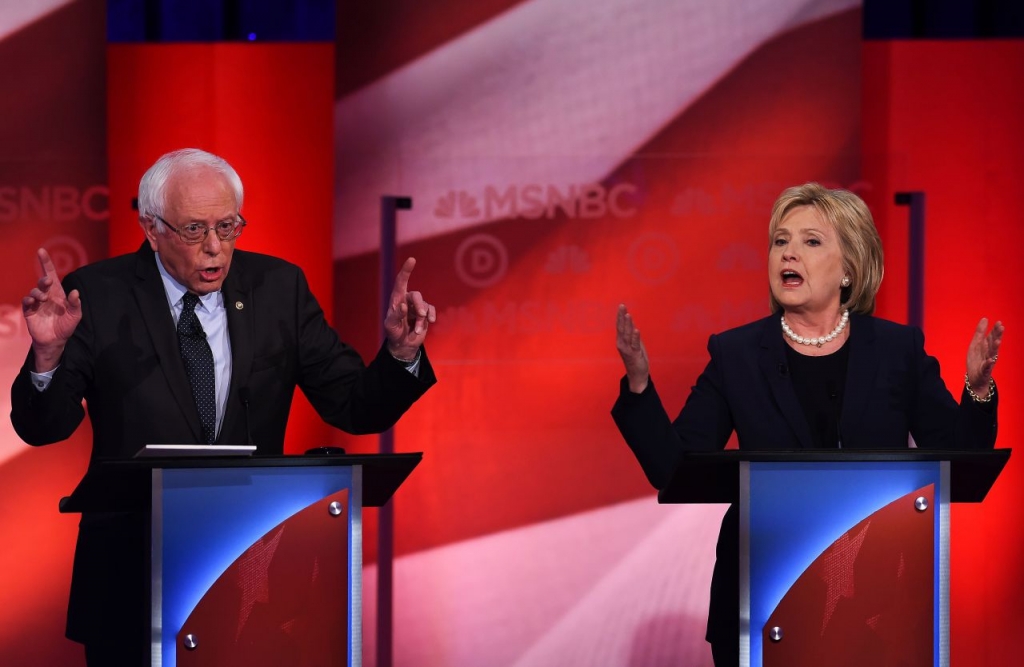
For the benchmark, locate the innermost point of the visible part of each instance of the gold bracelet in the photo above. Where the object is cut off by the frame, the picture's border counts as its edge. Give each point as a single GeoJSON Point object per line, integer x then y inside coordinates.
{"type": "Point", "coordinates": [975, 397]}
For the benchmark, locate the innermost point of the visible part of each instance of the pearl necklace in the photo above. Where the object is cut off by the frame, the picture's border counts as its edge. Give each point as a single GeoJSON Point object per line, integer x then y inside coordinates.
{"type": "Point", "coordinates": [792, 335]}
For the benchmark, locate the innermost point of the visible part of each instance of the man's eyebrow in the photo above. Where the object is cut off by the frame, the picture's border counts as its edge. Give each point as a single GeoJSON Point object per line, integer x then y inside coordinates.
{"type": "Point", "coordinates": [230, 218]}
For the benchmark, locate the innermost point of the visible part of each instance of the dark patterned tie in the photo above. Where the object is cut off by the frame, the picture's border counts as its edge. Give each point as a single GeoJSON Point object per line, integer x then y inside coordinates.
{"type": "Point", "coordinates": [198, 358]}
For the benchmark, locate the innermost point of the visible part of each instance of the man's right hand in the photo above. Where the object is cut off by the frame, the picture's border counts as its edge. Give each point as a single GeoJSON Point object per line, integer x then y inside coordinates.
{"type": "Point", "coordinates": [51, 315]}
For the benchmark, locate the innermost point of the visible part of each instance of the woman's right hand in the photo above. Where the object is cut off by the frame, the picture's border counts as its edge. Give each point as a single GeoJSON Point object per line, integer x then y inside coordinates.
{"type": "Point", "coordinates": [631, 349]}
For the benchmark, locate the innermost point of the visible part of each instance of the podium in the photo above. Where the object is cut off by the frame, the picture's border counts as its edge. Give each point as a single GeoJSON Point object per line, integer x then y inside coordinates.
{"type": "Point", "coordinates": [843, 554]}
{"type": "Point", "coordinates": [254, 560]}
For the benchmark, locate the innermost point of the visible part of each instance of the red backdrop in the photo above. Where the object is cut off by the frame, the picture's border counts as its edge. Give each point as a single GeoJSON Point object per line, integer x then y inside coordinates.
{"type": "Point", "coordinates": [944, 118]}
{"type": "Point", "coordinates": [266, 109]}
{"type": "Point", "coordinates": [523, 469]}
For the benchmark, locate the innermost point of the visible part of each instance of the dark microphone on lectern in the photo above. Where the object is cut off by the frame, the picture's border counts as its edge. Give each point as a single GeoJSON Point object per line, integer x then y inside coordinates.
{"type": "Point", "coordinates": [833, 395]}
{"type": "Point", "coordinates": [243, 393]}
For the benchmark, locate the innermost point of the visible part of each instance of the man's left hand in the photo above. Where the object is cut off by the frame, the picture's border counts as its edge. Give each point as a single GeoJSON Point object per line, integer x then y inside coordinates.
{"type": "Point", "coordinates": [408, 316]}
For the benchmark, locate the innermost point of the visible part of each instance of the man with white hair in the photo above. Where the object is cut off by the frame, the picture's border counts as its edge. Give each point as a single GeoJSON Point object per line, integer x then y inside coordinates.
{"type": "Point", "coordinates": [189, 340]}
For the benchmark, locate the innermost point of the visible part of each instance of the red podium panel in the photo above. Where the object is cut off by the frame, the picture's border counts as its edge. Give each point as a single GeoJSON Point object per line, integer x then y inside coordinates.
{"type": "Point", "coordinates": [867, 599]}
{"type": "Point", "coordinates": [278, 603]}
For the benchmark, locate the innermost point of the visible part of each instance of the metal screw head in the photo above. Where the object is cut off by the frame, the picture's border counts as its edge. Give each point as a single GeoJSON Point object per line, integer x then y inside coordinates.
{"type": "Point", "coordinates": [335, 508]}
{"type": "Point", "coordinates": [921, 503]}
{"type": "Point", "coordinates": [190, 642]}
{"type": "Point", "coordinates": [775, 634]}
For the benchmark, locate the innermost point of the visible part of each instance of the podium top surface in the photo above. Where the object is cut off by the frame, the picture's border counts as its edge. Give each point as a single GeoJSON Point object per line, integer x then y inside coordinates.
{"type": "Point", "coordinates": [125, 485]}
{"type": "Point", "coordinates": [713, 477]}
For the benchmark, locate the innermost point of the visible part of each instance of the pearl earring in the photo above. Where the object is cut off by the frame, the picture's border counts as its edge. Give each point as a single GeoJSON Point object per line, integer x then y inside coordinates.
{"type": "Point", "coordinates": [846, 281]}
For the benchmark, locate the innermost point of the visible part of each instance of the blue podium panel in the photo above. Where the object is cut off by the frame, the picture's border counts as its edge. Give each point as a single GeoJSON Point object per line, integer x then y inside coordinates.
{"type": "Point", "coordinates": [803, 528]}
{"type": "Point", "coordinates": [205, 519]}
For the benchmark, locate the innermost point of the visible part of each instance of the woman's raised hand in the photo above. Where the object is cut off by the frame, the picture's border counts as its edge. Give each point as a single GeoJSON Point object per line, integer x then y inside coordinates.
{"type": "Point", "coordinates": [631, 349]}
{"type": "Point", "coordinates": [982, 354]}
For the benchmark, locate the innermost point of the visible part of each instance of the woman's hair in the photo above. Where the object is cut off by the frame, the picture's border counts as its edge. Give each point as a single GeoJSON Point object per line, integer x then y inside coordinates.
{"type": "Point", "coordinates": [859, 243]}
{"type": "Point", "coordinates": [153, 186]}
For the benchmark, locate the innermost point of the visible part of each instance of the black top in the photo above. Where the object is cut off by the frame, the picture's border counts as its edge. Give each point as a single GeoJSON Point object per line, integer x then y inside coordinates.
{"type": "Point", "coordinates": [892, 388]}
{"type": "Point", "coordinates": [819, 382]}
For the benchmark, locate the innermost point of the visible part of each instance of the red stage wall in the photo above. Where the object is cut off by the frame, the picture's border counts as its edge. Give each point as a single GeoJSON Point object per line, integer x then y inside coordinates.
{"type": "Point", "coordinates": [517, 438]}
{"type": "Point", "coordinates": [519, 445]}
{"type": "Point", "coordinates": [520, 449]}
{"type": "Point", "coordinates": [266, 109]}
{"type": "Point", "coordinates": [52, 192]}
{"type": "Point", "coordinates": [945, 118]}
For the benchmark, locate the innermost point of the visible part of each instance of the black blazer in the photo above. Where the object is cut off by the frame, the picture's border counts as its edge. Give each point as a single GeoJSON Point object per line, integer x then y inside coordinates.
{"type": "Point", "coordinates": [893, 390]}
{"type": "Point", "coordinates": [123, 360]}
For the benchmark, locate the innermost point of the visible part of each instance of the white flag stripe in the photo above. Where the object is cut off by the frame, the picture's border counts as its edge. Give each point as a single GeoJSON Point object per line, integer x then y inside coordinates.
{"type": "Point", "coordinates": [552, 92]}
{"type": "Point", "coordinates": [587, 589]}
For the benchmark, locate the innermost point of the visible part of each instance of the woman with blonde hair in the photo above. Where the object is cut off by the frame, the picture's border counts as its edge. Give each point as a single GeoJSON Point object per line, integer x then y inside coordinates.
{"type": "Point", "coordinates": [819, 372]}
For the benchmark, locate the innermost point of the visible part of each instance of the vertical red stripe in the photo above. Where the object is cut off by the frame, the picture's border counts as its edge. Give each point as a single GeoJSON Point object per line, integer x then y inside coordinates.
{"type": "Point", "coordinates": [944, 118]}
{"type": "Point", "coordinates": [268, 110]}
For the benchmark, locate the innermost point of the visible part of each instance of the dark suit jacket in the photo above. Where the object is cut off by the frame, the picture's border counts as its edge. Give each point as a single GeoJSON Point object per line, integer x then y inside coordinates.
{"type": "Point", "coordinates": [124, 361]}
{"type": "Point", "coordinates": [893, 389]}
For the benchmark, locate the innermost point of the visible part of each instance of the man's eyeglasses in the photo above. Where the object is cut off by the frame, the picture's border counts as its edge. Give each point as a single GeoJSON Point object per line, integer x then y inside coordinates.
{"type": "Point", "coordinates": [195, 232]}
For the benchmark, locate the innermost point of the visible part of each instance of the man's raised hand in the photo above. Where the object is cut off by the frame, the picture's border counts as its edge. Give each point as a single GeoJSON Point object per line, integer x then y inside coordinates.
{"type": "Point", "coordinates": [408, 316]}
{"type": "Point", "coordinates": [50, 314]}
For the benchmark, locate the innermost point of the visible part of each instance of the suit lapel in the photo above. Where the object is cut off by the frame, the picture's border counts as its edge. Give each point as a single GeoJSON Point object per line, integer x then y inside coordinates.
{"type": "Point", "coordinates": [239, 305]}
{"type": "Point", "coordinates": [862, 369]}
{"type": "Point", "coordinates": [773, 367]}
{"type": "Point", "coordinates": [152, 302]}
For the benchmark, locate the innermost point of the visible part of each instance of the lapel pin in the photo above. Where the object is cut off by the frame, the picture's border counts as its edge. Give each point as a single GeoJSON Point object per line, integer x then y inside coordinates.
{"type": "Point", "coordinates": [239, 305]}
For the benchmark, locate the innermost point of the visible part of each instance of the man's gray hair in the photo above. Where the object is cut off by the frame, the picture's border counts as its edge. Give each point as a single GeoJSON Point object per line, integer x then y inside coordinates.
{"type": "Point", "coordinates": [153, 186]}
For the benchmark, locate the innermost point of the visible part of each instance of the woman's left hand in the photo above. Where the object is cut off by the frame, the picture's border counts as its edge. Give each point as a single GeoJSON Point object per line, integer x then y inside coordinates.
{"type": "Point", "coordinates": [982, 354]}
